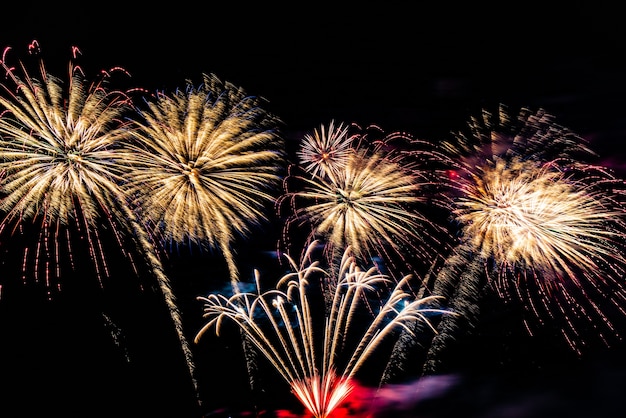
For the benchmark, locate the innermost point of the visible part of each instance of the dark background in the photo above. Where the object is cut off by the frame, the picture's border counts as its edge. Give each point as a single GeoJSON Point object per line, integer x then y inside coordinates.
{"type": "Point", "coordinates": [420, 68]}
{"type": "Point", "coordinates": [423, 68]}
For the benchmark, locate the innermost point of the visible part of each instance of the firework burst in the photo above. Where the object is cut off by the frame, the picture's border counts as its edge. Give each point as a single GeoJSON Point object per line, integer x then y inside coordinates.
{"type": "Point", "coordinates": [370, 194]}
{"type": "Point", "coordinates": [59, 161]}
{"type": "Point", "coordinates": [544, 228]}
{"type": "Point", "coordinates": [283, 323]}
{"type": "Point", "coordinates": [521, 212]}
{"type": "Point", "coordinates": [205, 161]}
{"type": "Point", "coordinates": [325, 152]}
{"type": "Point", "coordinates": [62, 166]}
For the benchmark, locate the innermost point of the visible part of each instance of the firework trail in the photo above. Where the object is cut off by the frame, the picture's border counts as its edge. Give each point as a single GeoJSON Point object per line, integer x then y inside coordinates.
{"type": "Point", "coordinates": [62, 165]}
{"type": "Point", "coordinates": [205, 161]}
{"type": "Point", "coordinates": [363, 188]}
{"type": "Point", "coordinates": [284, 324]}
{"type": "Point", "coordinates": [539, 225]}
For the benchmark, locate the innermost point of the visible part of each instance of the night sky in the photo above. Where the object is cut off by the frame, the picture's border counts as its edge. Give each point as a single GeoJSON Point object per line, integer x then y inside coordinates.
{"type": "Point", "coordinates": [423, 69]}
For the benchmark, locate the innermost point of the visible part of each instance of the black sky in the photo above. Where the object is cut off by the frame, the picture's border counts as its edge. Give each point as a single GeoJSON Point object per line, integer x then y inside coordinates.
{"type": "Point", "coordinates": [423, 68]}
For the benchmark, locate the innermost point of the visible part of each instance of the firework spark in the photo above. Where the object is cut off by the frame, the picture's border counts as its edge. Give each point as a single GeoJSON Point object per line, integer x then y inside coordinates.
{"type": "Point", "coordinates": [539, 216]}
{"type": "Point", "coordinates": [370, 195]}
{"type": "Point", "coordinates": [58, 161]}
{"type": "Point", "coordinates": [204, 164]}
{"type": "Point", "coordinates": [283, 324]}
{"type": "Point", "coordinates": [325, 152]}
{"type": "Point", "coordinates": [547, 229]}
{"type": "Point", "coordinates": [62, 165]}
{"type": "Point", "coordinates": [527, 135]}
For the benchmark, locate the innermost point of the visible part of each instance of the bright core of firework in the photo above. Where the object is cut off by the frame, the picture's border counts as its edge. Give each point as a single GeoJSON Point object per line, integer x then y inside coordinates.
{"type": "Point", "coordinates": [521, 211]}
{"type": "Point", "coordinates": [553, 223]}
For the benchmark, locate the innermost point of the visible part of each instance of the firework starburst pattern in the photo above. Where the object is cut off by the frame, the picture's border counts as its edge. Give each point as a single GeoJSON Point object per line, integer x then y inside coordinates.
{"type": "Point", "coordinates": [59, 162]}
{"type": "Point", "coordinates": [205, 161]}
{"type": "Point", "coordinates": [325, 152]}
{"type": "Point", "coordinates": [399, 239]}
{"type": "Point", "coordinates": [545, 227]}
{"type": "Point", "coordinates": [368, 190]}
{"type": "Point", "coordinates": [549, 218]}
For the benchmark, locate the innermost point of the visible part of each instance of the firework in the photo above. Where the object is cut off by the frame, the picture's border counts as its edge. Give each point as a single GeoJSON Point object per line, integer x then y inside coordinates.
{"type": "Point", "coordinates": [284, 322]}
{"type": "Point", "coordinates": [59, 164]}
{"type": "Point", "coordinates": [62, 166]}
{"type": "Point", "coordinates": [537, 225]}
{"type": "Point", "coordinates": [325, 152]}
{"type": "Point", "coordinates": [370, 194]}
{"type": "Point", "coordinates": [539, 216]}
{"type": "Point", "coordinates": [205, 160]}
